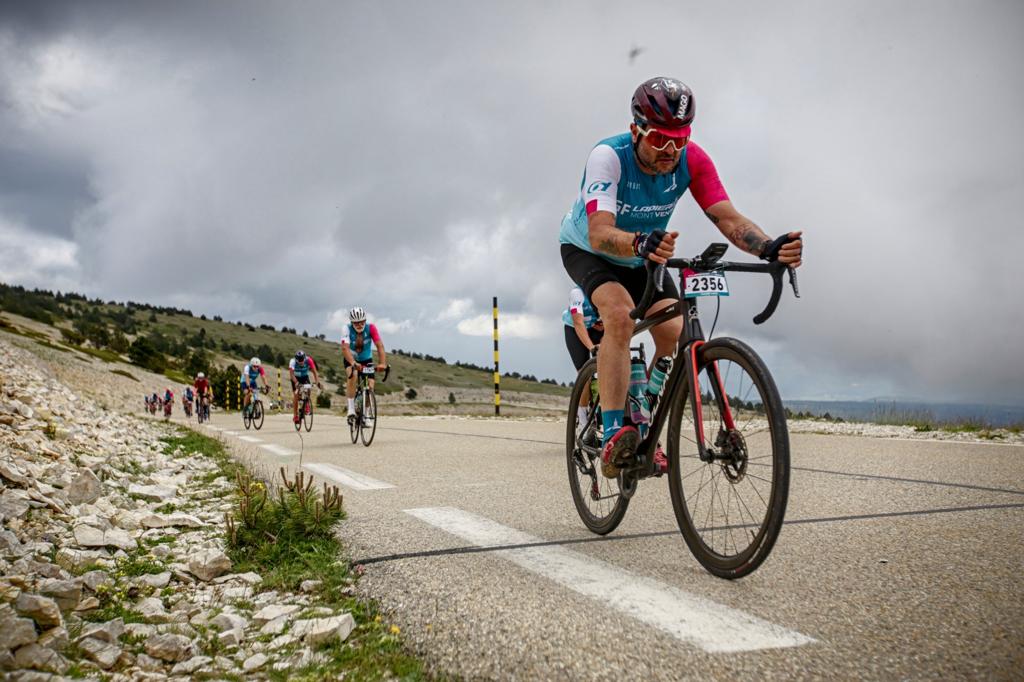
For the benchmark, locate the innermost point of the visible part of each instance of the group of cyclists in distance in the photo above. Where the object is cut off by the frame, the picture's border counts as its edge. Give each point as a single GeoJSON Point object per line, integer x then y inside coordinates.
{"type": "Point", "coordinates": [631, 185]}
{"type": "Point", "coordinates": [357, 343]}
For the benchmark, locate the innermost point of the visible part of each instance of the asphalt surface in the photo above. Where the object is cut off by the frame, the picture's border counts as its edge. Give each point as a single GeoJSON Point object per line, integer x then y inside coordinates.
{"type": "Point", "coordinates": [898, 559]}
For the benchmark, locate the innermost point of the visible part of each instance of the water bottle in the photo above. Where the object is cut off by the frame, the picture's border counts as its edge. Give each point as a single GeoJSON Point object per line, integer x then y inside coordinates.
{"type": "Point", "coordinates": [637, 401]}
{"type": "Point", "coordinates": [657, 382]}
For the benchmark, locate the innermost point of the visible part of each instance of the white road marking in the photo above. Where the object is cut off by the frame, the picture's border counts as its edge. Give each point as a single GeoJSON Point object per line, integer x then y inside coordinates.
{"type": "Point", "coordinates": [211, 426]}
{"type": "Point", "coordinates": [278, 450]}
{"type": "Point", "coordinates": [230, 433]}
{"type": "Point", "coordinates": [250, 439]}
{"type": "Point", "coordinates": [711, 626]}
{"type": "Point", "coordinates": [349, 479]}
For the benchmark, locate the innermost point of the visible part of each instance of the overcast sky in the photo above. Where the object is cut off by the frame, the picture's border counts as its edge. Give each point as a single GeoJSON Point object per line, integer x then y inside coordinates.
{"type": "Point", "coordinates": [281, 162]}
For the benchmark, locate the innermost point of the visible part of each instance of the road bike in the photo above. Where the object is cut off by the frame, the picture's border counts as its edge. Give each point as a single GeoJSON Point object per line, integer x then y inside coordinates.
{"type": "Point", "coordinates": [168, 408]}
{"type": "Point", "coordinates": [363, 425]}
{"type": "Point", "coordinates": [202, 409]}
{"type": "Point", "coordinates": [305, 408]}
{"type": "Point", "coordinates": [253, 413]}
{"type": "Point", "coordinates": [728, 443]}
{"type": "Point", "coordinates": [187, 406]}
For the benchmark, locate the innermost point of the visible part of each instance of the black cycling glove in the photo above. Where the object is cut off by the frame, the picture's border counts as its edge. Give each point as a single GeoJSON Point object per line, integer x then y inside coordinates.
{"type": "Point", "coordinates": [771, 250]}
{"type": "Point", "coordinates": [644, 245]}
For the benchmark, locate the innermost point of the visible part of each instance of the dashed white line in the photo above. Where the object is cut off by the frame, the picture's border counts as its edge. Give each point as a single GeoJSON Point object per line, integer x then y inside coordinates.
{"type": "Point", "coordinates": [349, 479]}
{"type": "Point", "coordinates": [278, 450]}
{"type": "Point", "coordinates": [250, 439]}
{"type": "Point", "coordinates": [711, 626]}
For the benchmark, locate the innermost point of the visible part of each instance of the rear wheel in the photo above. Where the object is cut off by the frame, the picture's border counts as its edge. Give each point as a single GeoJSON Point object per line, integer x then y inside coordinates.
{"type": "Point", "coordinates": [369, 417]}
{"type": "Point", "coordinates": [356, 419]}
{"type": "Point", "coordinates": [246, 417]}
{"type": "Point", "coordinates": [730, 507]}
{"type": "Point", "coordinates": [598, 500]}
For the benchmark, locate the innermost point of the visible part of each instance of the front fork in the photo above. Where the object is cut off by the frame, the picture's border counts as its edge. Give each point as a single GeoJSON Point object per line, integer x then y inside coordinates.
{"type": "Point", "coordinates": [718, 388]}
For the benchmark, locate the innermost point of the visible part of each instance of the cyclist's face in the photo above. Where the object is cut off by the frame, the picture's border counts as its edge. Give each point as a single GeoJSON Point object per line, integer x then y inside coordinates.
{"type": "Point", "coordinates": [359, 325]}
{"type": "Point", "coordinates": [662, 161]}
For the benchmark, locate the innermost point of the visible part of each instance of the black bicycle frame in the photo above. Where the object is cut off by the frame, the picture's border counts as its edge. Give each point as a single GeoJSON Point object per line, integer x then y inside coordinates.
{"type": "Point", "coordinates": [691, 338]}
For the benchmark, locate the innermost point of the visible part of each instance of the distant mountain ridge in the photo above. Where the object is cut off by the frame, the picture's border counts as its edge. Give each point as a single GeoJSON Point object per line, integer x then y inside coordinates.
{"type": "Point", "coordinates": [888, 411]}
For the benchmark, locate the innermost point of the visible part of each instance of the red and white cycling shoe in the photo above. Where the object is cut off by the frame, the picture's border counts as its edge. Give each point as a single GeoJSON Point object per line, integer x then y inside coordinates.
{"type": "Point", "coordinates": [619, 447]}
{"type": "Point", "coordinates": [660, 461]}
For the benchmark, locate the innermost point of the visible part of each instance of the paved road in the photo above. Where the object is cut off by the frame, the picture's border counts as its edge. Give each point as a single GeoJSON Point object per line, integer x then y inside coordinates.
{"type": "Point", "coordinates": [899, 559]}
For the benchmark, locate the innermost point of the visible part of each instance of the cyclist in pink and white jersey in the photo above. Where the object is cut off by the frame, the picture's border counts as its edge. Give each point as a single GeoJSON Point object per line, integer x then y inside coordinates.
{"type": "Point", "coordinates": [355, 345]}
{"type": "Point", "coordinates": [631, 185]}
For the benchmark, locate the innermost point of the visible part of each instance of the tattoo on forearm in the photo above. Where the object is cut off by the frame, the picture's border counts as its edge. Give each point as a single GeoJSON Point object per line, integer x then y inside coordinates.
{"type": "Point", "coordinates": [749, 237]}
{"type": "Point", "coordinates": [608, 246]}
{"type": "Point", "coordinates": [713, 219]}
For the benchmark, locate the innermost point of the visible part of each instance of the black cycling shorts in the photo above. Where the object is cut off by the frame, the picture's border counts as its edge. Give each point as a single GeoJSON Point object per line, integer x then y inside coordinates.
{"type": "Point", "coordinates": [590, 271]}
{"type": "Point", "coordinates": [299, 380]}
{"type": "Point", "coordinates": [577, 351]}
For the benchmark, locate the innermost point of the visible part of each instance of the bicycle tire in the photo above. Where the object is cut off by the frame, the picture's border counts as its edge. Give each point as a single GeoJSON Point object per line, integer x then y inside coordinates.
{"type": "Point", "coordinates": [257, 414]}
{"type": "Point", "coordinates": [301, 409]}
{"type": "Point", "coordinates": [246, 417]}
{"type": "Point", "coordinates": [369, 423]}
{"type": "Point", "coordinates": [307, 415]}
{"type": "Point", "coordinates": [743, 561]}
{"type": "Point", "coordinates": [598, 488]}
{"type": "Point", "coordinates": [355, 424]}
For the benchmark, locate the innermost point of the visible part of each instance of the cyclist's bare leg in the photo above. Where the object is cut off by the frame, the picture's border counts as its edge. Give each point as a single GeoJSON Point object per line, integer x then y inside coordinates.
{"type": "Point", "coordinates": [615, 304]}
{"type": "Point", "coordinates": [350, 389]}
{"type": "Point", "coordinates": [295, 403]}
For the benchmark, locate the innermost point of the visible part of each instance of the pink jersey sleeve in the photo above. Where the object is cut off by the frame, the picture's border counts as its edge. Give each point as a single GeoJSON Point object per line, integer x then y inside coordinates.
{"type": "Point", "coordinates": [705, 186]}
{"type": "Point", "coordinates": [311, 361]}
{"type": "Point", "coordinates": [374, 334]}
{"type": "Point", "coordinates": [262, 373]}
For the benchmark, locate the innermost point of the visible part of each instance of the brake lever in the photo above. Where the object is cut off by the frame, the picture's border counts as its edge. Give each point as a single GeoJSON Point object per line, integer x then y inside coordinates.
{"type": "Point", "coordinates": [792, 281]}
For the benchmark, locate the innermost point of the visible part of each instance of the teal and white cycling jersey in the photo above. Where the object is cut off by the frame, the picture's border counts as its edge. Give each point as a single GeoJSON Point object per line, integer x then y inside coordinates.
{"type": "Point", "coordinates": [579, 303]}
{"type": "Point", "coordinates": [613, 182]}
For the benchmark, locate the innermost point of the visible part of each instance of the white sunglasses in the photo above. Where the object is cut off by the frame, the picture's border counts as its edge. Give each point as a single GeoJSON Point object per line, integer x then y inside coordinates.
{"type": "Point", "coordinates": [677, 142]}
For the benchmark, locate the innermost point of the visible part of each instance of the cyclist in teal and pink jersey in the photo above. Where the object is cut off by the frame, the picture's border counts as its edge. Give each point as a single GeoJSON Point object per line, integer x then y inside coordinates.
{"type": "Point", "coordinates": [355, 345]}
{"type": "Point", "coordinates": [630, 188]}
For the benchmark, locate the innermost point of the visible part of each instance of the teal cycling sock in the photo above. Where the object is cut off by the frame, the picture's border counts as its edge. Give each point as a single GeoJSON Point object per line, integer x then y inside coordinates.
{"type": "Point", "coordinates": [612, 421]}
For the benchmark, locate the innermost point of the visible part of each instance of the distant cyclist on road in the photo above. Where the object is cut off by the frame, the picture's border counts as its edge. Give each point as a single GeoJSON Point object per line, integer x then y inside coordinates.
{"type": "Point", "coordinates": [187, 399]}
{"type": "Point", "coordinates": [202, 386]}
{"type": "Point", "coordinates": [355, 345]}
{"type": "Point", "coordinates": [250, 373]}
{"type": "Point", "coordinates": [583, 332]}
{"type": "Point", "coordinates": [630, 188]}
{"type": "Point", "coordinates": [299, 368]}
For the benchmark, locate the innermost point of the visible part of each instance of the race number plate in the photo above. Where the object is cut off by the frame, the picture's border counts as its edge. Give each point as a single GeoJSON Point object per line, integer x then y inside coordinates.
{"type": "Point", "coordinates": [705, 284]}
{"type": "Point", "coordinates": [368, 369]}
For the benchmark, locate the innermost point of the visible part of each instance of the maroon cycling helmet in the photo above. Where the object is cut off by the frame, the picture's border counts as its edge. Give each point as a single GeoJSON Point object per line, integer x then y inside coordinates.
{"type": "Point", "coordinates": [664, 103]}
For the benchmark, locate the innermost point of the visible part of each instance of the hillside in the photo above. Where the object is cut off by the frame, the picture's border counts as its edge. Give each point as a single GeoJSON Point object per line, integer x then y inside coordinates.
{"type": "Point", "coordinates": [178, 344]}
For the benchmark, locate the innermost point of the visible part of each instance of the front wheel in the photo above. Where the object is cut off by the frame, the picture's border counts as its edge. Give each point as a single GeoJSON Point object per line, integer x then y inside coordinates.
{"type": "Point", "coordinates": [598, 500]}
{"type": "Point", "coordinates": [369, 417]}
{"type": "Point", "coordinates": [257, 414]}
{"type": "Point", "coordinates": [307, 415]}
{"type": "Point", "coordinates": [729, 505]}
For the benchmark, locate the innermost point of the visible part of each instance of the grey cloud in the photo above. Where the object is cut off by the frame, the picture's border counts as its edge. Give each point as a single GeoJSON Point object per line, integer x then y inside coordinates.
{"type": "Point", "coordinates": [277, 163]}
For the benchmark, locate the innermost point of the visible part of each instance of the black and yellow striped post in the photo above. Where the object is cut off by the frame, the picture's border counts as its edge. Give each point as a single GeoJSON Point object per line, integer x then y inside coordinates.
{"type": "Point", "coordinates": [497, 374]}
{"type": "Point", "coordinates": [235, 404]}
{"type": "Point", "coordinates": [279, 399]}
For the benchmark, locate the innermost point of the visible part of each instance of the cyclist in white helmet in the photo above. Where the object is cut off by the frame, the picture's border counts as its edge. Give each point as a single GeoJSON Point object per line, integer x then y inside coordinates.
{"type": "Point", "coordinates": [252, 372]}
{"type": "Point", "coordinates": [355, 346]}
